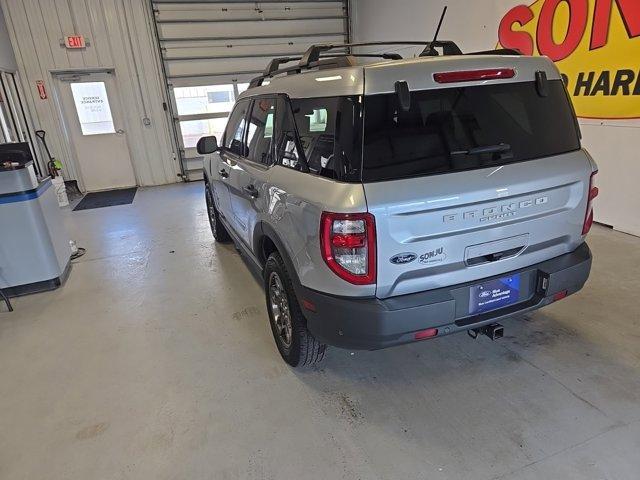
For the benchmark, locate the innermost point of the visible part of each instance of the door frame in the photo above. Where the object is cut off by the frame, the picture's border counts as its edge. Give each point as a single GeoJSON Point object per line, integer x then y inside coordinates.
{"type": "Point", "coordinates": [67, 142]}
{"type": "Point", "coordinates": [20, 116]}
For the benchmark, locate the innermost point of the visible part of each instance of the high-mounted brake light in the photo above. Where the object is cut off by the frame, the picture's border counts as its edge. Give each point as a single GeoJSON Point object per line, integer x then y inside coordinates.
{"type": "Point", "coordinates": [593, 193]}
{"type": "Point", "coordinates": [474, 75]}
{"type": "Point", "coordinates": [348, 243]}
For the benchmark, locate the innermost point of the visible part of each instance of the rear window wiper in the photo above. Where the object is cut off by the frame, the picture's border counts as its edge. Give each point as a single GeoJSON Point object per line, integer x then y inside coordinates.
{"type": "Point", "coordinates": [499, 148]}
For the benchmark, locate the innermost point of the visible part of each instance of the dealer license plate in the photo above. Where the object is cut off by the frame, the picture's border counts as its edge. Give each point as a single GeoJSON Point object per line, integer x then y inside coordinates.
{"type": "Point", "coordinates": [494, 294]}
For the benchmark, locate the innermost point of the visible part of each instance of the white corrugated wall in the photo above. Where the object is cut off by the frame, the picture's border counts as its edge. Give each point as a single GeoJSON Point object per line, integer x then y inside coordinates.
{"type": "Point", "coordinates": [120, 36]}
{"type": "Point", "coordinates": [7, 59]}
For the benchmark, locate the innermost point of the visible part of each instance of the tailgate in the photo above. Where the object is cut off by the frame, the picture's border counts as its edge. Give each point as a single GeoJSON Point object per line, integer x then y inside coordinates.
{"type": "Point", "coordinates": [441, 230]}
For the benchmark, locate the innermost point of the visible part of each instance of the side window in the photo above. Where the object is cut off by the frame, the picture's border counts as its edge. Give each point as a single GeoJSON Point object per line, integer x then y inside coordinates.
{"type": "Point", "coordinates": [260, 131]}
{"type": "Point", "coordinates": [329, 132]}
{"type": "Point", "coordinates": [287, 152]}
{"type": "Point", "coordinates": [318, 120]}
{"type": "Point", "coordinates": [234, 133]}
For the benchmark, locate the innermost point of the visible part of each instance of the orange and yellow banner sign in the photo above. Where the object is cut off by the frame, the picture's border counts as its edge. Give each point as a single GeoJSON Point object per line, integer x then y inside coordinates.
{"type": "Point", "coordinates": [595, 44]}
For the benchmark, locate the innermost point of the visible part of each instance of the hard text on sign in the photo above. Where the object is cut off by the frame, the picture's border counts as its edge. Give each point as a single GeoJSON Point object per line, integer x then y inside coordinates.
{"type": "Point", "coordinates": [595, 43]}
{"type": "Point", "coordinates": [74, 41]}
{"type": "Point", "coordinates": [92, 107]}
{"type": "Point", "coordinates": [42, 91]}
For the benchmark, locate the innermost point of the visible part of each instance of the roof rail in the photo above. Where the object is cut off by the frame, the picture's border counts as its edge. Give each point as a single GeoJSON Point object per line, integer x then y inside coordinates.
{"type": "Point", "coordinates": [317, 56]}
{"type": "Point", "coordinates": [274, 64]}
{"type": "Point", "coordinates": [499, 51]}
{"type": "Point", "coordinates": [322, 61]}
{"type": "Point", "coordinates": [314, 51]}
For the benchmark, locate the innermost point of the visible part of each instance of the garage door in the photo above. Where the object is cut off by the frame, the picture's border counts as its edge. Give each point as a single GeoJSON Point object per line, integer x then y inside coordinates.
{"type": "Point", "coordinates": [211, 49]}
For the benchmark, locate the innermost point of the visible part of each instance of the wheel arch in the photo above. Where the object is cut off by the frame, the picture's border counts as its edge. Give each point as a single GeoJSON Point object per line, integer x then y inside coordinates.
{"type": "Point", "coordinates": [265, 241]}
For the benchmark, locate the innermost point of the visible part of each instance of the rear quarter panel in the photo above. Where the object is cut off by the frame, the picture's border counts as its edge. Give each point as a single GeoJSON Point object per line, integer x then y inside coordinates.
{"type": "Point", "coordinates": [295, 202]}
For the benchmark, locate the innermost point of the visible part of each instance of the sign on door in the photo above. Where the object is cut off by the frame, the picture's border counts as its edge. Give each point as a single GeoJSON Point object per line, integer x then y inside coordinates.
{"type": "Point", "coordinates": [92, 106]}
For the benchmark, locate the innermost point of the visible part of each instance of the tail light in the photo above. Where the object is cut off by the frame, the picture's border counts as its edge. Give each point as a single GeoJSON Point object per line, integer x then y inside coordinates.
{"type": "Point", "coordinates": [593, 193]}
{"type": "Point", "coordinates": [474, 75]}
{"type": "Point", "coordinates": [348, 243]}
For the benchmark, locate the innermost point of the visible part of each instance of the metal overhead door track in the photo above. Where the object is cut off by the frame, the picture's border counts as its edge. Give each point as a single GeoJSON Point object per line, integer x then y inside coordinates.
{"type": "Point", "coordinates": [211, 49]}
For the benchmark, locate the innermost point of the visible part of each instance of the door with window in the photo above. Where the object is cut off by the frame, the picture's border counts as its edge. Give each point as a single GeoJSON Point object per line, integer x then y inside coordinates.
{"type": "Point", "coordinates": [249, 173]}
{"type": "Point", "coordinates": [232, 148]}
{"type": "Point", "coordinates": [93, 116]}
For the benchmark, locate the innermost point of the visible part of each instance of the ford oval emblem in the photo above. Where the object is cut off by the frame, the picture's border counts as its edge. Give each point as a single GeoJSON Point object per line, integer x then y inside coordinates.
{"type": "Point", "coordinates": [402, 258]}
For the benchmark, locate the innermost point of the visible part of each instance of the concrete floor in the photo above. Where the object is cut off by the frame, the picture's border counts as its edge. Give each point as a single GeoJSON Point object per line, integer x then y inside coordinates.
{"type": "Point", "coordinates": [155, 361]}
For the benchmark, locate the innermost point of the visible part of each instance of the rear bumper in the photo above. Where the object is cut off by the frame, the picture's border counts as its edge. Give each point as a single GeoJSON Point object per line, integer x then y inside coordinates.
{"type": "Point", "coordinates": [371, 323]}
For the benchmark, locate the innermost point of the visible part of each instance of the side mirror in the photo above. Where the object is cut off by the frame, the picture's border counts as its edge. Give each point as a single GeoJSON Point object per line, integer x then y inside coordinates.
{"type": "Point", "coordinates": [207, 145]}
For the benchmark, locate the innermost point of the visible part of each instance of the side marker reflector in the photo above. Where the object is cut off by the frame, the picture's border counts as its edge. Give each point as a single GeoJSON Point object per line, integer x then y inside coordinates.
{"type": "Point", "coordinates": [308, 305]}
{"type": "Point", "coordinates": [428, 333]}
{"type": "Point", "coordinates": [560, 295]}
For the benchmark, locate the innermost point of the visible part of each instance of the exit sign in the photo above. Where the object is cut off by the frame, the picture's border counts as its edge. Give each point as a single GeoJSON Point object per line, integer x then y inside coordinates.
{"type": "Point", "coordinates": [75, 41]}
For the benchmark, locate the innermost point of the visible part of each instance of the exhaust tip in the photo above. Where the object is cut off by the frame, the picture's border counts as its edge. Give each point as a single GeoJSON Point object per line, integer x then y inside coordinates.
{"type": "Point", "coordinates": [498, 332]}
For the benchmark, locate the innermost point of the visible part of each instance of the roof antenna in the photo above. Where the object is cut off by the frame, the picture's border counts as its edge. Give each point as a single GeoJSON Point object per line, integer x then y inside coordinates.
{"type": "Point", "coordinates": [430, 51]}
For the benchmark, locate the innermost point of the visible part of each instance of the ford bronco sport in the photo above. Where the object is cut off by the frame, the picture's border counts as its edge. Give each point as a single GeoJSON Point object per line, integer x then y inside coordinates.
{"type": "Point", "coordinates": [402, 199]}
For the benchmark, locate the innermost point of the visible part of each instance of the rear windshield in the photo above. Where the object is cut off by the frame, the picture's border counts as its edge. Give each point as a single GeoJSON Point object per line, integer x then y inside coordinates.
{"type": "Point", "coordinates": [456, 129]}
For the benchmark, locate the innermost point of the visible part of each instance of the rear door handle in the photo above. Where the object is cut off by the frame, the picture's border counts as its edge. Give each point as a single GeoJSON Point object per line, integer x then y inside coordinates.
{"type": "Point", "coordinates": [251, 191]}
{"type": "Point", "coordinates": [223, 173]}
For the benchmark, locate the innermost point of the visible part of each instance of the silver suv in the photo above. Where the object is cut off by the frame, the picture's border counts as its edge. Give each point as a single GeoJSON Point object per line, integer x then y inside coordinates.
{"type": "Point", "coordinates": [402, 200]}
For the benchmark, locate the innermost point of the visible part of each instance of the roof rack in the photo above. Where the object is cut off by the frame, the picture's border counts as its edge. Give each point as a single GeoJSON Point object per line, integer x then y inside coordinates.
{"type": "Point", "coordinates": [316, 56]}
{"type": "Point", "coordinates": [334, 60]}
{"type": "Point", "coordinates": [274, 64]}
{"type": "Point", "coordinates": [449, 48]}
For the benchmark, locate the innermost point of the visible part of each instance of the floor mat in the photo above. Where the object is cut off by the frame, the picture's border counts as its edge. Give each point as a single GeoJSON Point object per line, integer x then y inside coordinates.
{"type": "Point", "coordinates": [109, 198]}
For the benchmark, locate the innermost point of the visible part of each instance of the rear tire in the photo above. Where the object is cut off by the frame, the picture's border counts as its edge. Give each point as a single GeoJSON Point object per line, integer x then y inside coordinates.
{"type": "Point", "coordinates": [296, 344]}
{"type": "Point", "coordinates": [218, 230]}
